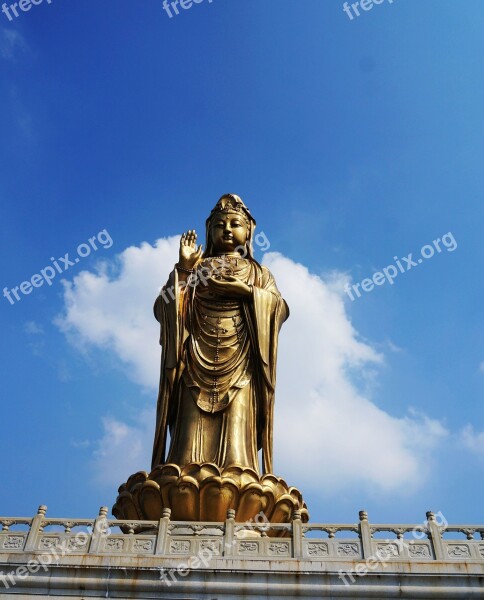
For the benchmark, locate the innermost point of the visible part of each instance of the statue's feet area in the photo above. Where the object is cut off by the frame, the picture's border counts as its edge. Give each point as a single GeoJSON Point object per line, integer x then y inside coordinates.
{"type": "Point", "coordinates": [204, 492]}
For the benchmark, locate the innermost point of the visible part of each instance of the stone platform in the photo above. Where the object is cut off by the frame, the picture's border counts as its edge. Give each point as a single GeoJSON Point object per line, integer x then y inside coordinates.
{"type": "Point", "coordinates": [107, 558]}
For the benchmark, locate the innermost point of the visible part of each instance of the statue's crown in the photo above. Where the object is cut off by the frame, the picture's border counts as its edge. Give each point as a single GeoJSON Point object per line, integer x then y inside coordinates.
{"type": "Point", "coordinates": [231, 203]}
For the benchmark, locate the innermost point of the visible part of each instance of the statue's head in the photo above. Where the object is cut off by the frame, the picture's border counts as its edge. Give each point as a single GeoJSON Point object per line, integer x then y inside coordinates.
{"type": "Point", "coordinates": [230, 227]}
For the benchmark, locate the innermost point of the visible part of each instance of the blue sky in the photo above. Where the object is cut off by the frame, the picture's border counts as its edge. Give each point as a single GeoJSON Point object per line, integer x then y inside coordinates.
{"type": "Point", "coordinates": [352, 141]}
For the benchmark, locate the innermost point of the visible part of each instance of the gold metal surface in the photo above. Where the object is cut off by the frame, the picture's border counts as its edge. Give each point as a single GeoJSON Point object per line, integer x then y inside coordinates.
{"type": "Point", "coordinates": [220, 313]}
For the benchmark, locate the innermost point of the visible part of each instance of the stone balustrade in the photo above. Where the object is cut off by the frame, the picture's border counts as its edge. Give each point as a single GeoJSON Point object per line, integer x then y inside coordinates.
{"type": "Point", "coordinates": [103, 558]}
{"type": "Point", "coordinates": [422, 542]}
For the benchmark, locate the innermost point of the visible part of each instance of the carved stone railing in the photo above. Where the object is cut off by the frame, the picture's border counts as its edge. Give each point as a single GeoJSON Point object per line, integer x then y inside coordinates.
{"type": "Point", "coordinates": [423, 543]}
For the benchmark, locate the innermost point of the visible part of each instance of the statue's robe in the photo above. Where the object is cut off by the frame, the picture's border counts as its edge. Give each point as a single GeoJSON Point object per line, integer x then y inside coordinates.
{"type": "Point", "coordinates": [218, 370]}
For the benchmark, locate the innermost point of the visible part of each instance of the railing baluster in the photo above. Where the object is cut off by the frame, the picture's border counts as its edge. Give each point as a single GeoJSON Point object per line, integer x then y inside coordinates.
{"type": "Point", "coordinates": [229, 537]}
{"type": "Point", "coordinates": [35, 529]}
{"type": "Point", "coordinates": [365, 534]}
{"type": "Point", "coordinates": [161, 540]}
{"type": "Point", "coordinates": [435, 536]}
{"type": "Point", "coordinates": [99, 530]}
{"type": "Point", "coordinates": [297, 535]}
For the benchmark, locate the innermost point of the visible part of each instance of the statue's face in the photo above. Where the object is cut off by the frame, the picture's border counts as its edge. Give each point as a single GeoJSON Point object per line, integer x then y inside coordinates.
{"type": "Point", "coordinates": [228, 231]}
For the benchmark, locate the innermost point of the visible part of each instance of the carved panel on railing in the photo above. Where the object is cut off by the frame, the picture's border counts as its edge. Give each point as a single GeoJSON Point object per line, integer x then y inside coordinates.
{"type": "Point", "coordinates": [201, 547]}
{"type": "Point", "coordinates": [264, 548]}
{"type": "Point", "coordinates": [316, 549]}
{"type": "Point", "coordinates": [458, 550]}
{"type": "Point", "coordinates": [180, 547]}
{"type": "Point", "coordinates": [387, 550]}
{"type": "Point", "coordinates": [114, 544]}
{"type": "Point", "coordinates": [419, 550]}
{"type": "Point", "coordinates": [143, 545]}
{"type": "Point", "coordinates": [279, 549]}
{"type": "Point", "coordinates": [12, 542]}
{"type": "Point", "coordinates": [251, 548]}
{"type": "Point", "coordinates": [348, 549]}
{"type": "Point", "coordinates": [129, 544]}
{"type": "Point", "coordinates": [210, 547]}
{"type": "Point", "coordinates": [65, 543]}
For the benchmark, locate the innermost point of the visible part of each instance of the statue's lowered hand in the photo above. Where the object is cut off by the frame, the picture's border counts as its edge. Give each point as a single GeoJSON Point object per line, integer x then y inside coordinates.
{"type": "Point", "coordinates": [230, 287]}
{"type": "Point", "coordinates": [189, 253]}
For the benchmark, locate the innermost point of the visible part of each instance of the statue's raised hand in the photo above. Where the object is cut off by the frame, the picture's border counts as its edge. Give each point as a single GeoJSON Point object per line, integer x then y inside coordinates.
{"type": "Point", "coordinates": [189, 253]}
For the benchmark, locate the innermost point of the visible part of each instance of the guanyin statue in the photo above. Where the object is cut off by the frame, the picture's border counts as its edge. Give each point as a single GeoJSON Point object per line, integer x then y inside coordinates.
{"type": "Point", "coordinates": [220, 313]}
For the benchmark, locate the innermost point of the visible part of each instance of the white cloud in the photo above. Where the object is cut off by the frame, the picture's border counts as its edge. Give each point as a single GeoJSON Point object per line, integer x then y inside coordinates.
{"type": "Point", "coordinates": [115, 312]}
{"type": "Point", "coordinates": [33, 328]}
{"type": "Point", "coordinates": [324, 423]}
{"type": "Point", "coordinates": [473, 440]}
{"type": "Point", "coordinates": [123, 449]}
{"type": "Point", "coordinates": [327, 428]}
{"type": "Point", "coordinates": [11, 43]}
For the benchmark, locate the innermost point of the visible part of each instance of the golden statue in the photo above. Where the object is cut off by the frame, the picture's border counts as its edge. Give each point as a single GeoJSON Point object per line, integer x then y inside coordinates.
{"type": "Point", "coordinates": [220, 314]}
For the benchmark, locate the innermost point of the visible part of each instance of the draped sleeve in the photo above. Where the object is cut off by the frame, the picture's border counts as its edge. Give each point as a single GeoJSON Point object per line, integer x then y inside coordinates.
{"type": "Point", "coordinates": [266, 314]}
{"type": "Point", "coordinates": [170, 311]}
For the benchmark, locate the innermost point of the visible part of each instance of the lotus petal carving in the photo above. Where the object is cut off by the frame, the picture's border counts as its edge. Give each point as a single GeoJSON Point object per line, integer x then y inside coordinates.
{"type": "Point", "coordinates": [204, 492]}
